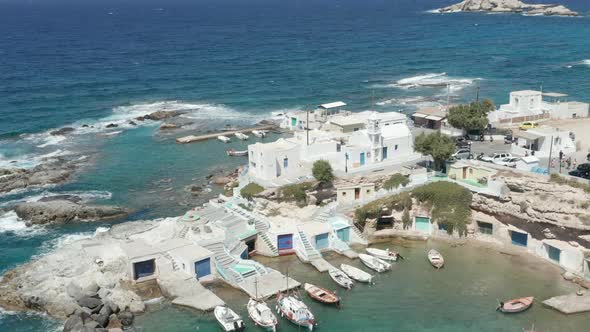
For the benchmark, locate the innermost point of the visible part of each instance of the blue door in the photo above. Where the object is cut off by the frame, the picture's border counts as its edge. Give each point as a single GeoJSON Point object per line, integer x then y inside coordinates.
{"type": "Point", "coordinates": [519, 239]}
{"type": "Point", "coordinates": [384, 152]}
{"type": "Point", "coordinates": [285, 242]}
{"type": "Point", "coordinates": [144, 269]}
{"type": "Point", "coordinates": [362, 157]}
{"type": "Point", "coordinates": [344, 234]}
{"type": "Point", "coordinates": [321, 241]}
{"type": "Point", "coordinates": [554, 253]}
{"type": "Point", "coordinates": [203, 268]}
{"type": "Point", "coordinates": [244, 254]}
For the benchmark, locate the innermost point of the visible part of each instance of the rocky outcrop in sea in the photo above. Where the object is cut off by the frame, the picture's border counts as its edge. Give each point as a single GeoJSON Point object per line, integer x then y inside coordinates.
{"type": "Point", "coordinates": [508, 6]}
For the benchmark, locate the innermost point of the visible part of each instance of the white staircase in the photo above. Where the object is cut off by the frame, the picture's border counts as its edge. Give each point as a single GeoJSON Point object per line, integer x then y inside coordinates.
{"type": "Point", "coordinates": [268, 243]}
{"type": "Point", "coordinates": [361, 237]}
{"type": "Point", "coordinates": [174, 264]}
{"type": "Point", "coordinates": [310, 252]}
{"type": "Point", "coordinates": [225, 263]}
{"type": "Point", "coordinates": [183, 231]}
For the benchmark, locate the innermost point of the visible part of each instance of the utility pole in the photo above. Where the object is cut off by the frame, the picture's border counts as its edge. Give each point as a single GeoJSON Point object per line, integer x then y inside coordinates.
{"type": "Point", "coordinates": [307, 127]}
{"type": "Point", "coordinates": [550, 152]}
{"type": "Point", "coordinates": [477, 95]}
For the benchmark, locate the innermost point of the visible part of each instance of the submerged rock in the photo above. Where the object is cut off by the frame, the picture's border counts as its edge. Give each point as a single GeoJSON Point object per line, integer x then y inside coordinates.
{"type": "Point", "coordinates": [64, 211]}
{"type": "Point", "coordinates": [62, 131]}
{"type": "Point", "coordinates": [160, 115]}
{"type": "Point", "coordinates": [54, 172]}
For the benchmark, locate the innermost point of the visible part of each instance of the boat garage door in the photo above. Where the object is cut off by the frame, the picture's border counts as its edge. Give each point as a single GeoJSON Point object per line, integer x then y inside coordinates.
{"type": "Point", "coordinates": [519, 239]}
{"type": "Point", "coordinates": [344, 234]}
{"type": "Point", "coordinates": [203, 268]}
{"type": "Point", "coordinates": [554, 253]}
{"type": "Point", "coordinates": [144, 269]}
{"type": "Point", "coordinates": [423, 224]}
{"type": "Point", "coordinates": [285, 241]}
{"type": "Point", "coordinates": [321, 241]}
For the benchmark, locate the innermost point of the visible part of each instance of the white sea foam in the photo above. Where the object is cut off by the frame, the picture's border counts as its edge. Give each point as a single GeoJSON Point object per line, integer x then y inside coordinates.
{"type": "Point", "coordinates": [30, 160]}
{"type": "Point", "coordinates": [64, 240]}
{"type": "Point", "coordinates": [11, 223]}
{"type": "Point", "coordinates": [52, 140]}
{"type": "Point", "coordinates": [86, 196]}
{"type": "Point", "coordinates": [586, 62]}
{"type": "Point", "coordinates": [413, 102]}
{"type": "Point", "coordinates": [433, 80]}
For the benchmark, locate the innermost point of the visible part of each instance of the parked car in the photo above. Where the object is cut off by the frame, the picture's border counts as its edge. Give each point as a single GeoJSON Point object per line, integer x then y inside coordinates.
{"type": "Point", "coordinates": [582, 171]}
{"type": "Point", "coordinates": [496, 156]}
{"type": "Point", "coordinates": [462, 154]}
{"type": "Point", "coordinates": [528, 125]}
{"type": "Point", "coordinates": [509, 161]}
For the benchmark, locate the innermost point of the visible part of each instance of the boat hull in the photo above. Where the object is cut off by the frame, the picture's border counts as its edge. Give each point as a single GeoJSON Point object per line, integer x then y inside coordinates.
{"type": "Point", "coordinates": [516, 305]}
{"type": "Point", "coordinates": [283, 311]}
{"type": "Point", "coordinates": [269, 325]}
{"type": "Point", "coordinates": [356, 274]}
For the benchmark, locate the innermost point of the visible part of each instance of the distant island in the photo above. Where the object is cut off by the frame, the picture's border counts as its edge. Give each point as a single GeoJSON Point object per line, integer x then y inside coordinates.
{"type": "Point", "coordinates": [508, 6]}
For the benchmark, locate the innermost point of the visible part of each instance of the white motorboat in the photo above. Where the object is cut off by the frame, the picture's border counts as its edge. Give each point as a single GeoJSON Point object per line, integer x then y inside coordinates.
{"type": "Point", "coordinates": [241, 136]}
{"type": "Point", "coordinates": [262, 315]}
{"type": "Point", "coordinates": [224, 139]}
{"type": "Point", "coordinates": [356, 274]}
{"type": "Point", "coordinates": [292, 308]}
{"type": "Point", "coordinates": [436, 259]}
{"type": "Point", "coordinates": [386, 255]}
{"type": "Point", "coordinates": [341, 278]}
{"type": "Point", "coordinates": [236, 153]}
{"type": "Point", "coordinates": [259, 133]}
{"type": "Point", "coordinates": [374, 263]}
{"type": "Point", "coordinates": [228, 319]}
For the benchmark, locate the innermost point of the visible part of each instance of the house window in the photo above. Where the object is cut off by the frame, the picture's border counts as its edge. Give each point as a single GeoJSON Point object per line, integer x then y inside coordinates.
{"type": "Point", "coordinates": [355, 129]}
{"type": "Point", "coordinates": [338, 147]}
{"type": "Point", "coordinates": [343, 193]}
{"type": "Point", "coordinates": [368, 191]}
{"type": "Point", "coordinates": [144, 269]}
{"type": "Point", "coordinates": [395, 148]}
{"type": "Point", "coordinates": [485, 227]}
{"type": "Point", "coordinates": [285, 162]}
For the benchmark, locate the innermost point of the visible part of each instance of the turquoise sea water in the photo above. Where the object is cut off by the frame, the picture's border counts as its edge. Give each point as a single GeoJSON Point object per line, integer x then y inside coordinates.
{"type": "Point", "coordinates": [231, 62]}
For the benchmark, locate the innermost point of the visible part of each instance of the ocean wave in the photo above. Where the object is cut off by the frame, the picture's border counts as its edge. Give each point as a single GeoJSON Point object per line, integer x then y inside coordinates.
{"type": "Point", "coordinates": [11, 223]}
{"type": "Point", "coordinates": [49, 323]}
{"type": "Point", "coordinates": [413, 102]}
{"type": "Point", "coordinates": [31, 160]}
{"type": "Point", "coordinates": [59, 242]}
{"type": "Point", "coordinates": [86, 196]}
{"type": "Point", "coordinates": [435, 80]}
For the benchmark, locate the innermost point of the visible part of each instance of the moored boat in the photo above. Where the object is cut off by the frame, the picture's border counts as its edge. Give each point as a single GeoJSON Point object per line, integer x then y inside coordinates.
{"type": "Point", "coordinates": [236, 153]}
{"type": "Point", "coordinates": [516, 305]}
{"type": "Point", "coordinates": [259, 133]}
{"type": "Point", "coordinates": [241, 136]}
{"type": "Point", "coordinates": [262, 315]}
{"type": "Point", "coordinates": [228, 319]}
{"type": "Point", "coordinates": [340, 278]}
{"type": "Point", "coordinates": [356, 273]}
{"type": "Point", "coordinates": [292, 308]}
{"type": "Point", "coordinates": [374, 263]}
{"type": "Point", "coordinates": [224, 139]}
{"type": "Point", "coordinates": [436, 259]}
{"type": "Point", "coordinates": [386, 255]}
{"type": "Point", "coordinates": [321, 294]}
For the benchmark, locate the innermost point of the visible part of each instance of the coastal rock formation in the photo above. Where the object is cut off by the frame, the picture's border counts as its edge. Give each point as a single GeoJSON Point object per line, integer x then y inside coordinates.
{"type": "Point", "coordinates": [508, 6]}
{"type": "Point", "coordinates": [62, 131]}
{"type": "Point", "coordinates": [49, 173]}
{"type": "Point", "coordinates": [62, 210]}
{"type": "Point", "coordinates": [160, 115]}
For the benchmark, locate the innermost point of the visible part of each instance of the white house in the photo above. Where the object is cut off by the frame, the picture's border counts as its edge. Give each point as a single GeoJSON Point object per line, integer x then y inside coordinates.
{"type": "Point", "coordinates": [384, 139]}
{"type": "Point", "coordinates": [538, 142]}
{"type": "Point", "coordinates": [531, 105]}
{"type": "Point", "coordinates": [314, 119]}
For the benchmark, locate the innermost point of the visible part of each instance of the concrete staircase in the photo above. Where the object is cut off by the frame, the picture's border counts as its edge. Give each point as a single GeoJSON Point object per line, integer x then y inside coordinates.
{"type": "Point", "coordinates": [359, 234]}
{"type": "Point", "coordinates": [322, 217]}
{"type": "Point", "coordinates": [268, 243]}
{"type": "Point", "coordinates": [310, 252]}
{"type": "Point", "coordinates": [183, 231]}
{"type": "Point", "coordinates": [225, 263]}
{"type": "Point", "coordinates": [174, 263]}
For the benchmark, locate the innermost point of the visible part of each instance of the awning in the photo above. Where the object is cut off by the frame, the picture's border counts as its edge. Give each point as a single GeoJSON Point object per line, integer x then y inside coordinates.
{"type": "Point", "coordinates": [419, 115]}
{"type": "Point", "coordinates": [434, 117]}
{"type": "Point", "coordinates": [528, 135]}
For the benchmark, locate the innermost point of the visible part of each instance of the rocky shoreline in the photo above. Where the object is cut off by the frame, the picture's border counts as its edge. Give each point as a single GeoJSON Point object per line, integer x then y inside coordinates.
{"type": "Point", "coordinates": [508, 6]}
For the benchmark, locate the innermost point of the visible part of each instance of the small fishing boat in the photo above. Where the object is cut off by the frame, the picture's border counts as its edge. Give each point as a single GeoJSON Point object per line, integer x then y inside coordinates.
{"type": "Point", "coordinates": [262, 315]}
{"type": "Point", "coordinates": [224, 139]}
{"type": "Point", "coordinates": [241, 136]}
{"type": "Point", "coordinates": [236, 153]}
{"type": "Point", "coordinates": [436, 259]}
{"type": "Point", "coordinates": [292, 308]}
{"type": "Point", "coordinates": [321, 294]}
{"type": "Point", "coordinates": [516, 305]}
{"type": "Point", "coordinates": [386, 255]}
{"type": "Point", "coordinates": [356, 274]}
{"type": "Point", "coordinates": [341, 278]}
{"type": "Point", "coordinates": [374, 263]}
{"type": "Point", "coordinates": [228, 319]}
{"type": "Point", "coordinates": [228, 127]}
{"type": "Point", "coordinates": [259, 133]}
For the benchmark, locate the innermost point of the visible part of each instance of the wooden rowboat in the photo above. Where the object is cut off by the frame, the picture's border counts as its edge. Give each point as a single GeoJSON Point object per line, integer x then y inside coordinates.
{"type": "Point", "coordinates": [436, 259]}
{"type": "Point", "coordinates": [516, 305]}
{"type": "Point", "coordinates": [356, 274]}
{"type": "Point", "coordinates": [235, 153]}
{"type": "Point", "coordinates": [341, 278]}
{"type": "Point", "coordinates": [374, 263]}
{"type": "Point", "coordinates": [321, 294]}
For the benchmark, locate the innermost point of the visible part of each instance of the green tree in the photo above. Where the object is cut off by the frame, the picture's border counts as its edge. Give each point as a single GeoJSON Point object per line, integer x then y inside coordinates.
{"type": "Point", "coordinates": [440, 147]}
{"type": "Point", "coordinates": [473, 116]}
{"type": "Point", "coordinates": [322, 171]}
{"type": "Point", "coordinates": [395, 181]}
{"type": "Point", "coordinates": [406, 220]}
{"type": "Point", "coordinates": [250, 190]}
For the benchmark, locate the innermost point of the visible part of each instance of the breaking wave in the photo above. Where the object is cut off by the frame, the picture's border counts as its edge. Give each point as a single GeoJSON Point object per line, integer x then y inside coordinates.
{"type": "Point", "coordinates": [86, 196]}
{"type": "Point", "coordinates": [64, 240]}
{"type": "Point", "coordinates": [412, 102]}
{"type": "Point", "coordinates": [11, 223]}
{"type": "Point", "coordinates": [433, 80]}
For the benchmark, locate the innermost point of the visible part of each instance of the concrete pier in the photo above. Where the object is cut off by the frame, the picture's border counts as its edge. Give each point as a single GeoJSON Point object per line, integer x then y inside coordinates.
{"type": "Point", "coordinates": [268, 284]}
{"type": "Point", "coordinates": [321, 264]}
{"type": "Point", "coordinates": [350, 254]}
{"type": "Point", "coordinates": [197, 138]}
{"type": "Point", "coordinates": [570, 303]}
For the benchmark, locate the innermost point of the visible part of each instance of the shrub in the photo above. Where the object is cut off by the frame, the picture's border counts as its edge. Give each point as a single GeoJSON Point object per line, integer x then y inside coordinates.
{"type": "Point", "coordinates": [569, 182]}
{"type": "Point", "coordinates": [395, 181]}
{"type": "Point", "coordinates": [250, 190]}
{"type": "Point", "coordinates": [322, 171]}
{"type": "Point", "coordinates": [295, 192]}
{"type": "Point", "coordinates": [399, 202]}
{"type": "Point", "coordinates": [406, 220]}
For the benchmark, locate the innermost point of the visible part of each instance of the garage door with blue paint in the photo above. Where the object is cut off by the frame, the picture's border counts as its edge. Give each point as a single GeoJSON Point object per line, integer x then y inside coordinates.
{"type": "Point", "coordinates": [321, 241]}
{"type": "Point", "coordinates": [554, 253]}
{"type": "Point", "coordinates": [344, 234]}
{"type": "Point", "coordinates": [519, 239]}
{"type": "Point", "coordinates": [423, 224]}
{"type": "Point", "coordinates": [144, 269]}
{"type": "Point", "coordinates": [285, 241]}
{"type": "Point", "coordinates": [203, 268]}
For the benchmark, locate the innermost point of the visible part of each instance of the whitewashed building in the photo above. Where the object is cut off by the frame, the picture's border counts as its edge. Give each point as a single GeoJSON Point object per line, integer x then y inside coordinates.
{"type": "Point", "coordinates": [353, 143]}
{"type": "Point", "coordinates": [531, 105]}
{"type": "Point", "coordinates": [314, 119]}
{"type": "Point", "coordinates": [543, 141]}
